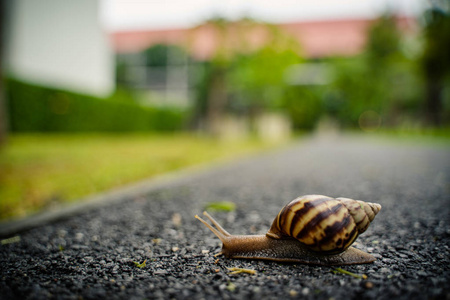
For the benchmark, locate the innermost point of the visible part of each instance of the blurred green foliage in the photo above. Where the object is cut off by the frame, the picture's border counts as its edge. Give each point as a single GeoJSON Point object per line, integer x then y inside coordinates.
{"type": "Point", "coordinates": [304, 106]}
{"type": "Point", "coordinates": [220, 206]}
{"type": "Point", "coordinates": [34, 108]}
{"type": "Point", "coordinates": [435, 63]}
{"type": "Point", "coordinates": [241, 79]}
{"type": "Point", "coordinates": [382, 80]}
{"type": "Point", "coordinates": [257, 81]}
{"type": "Point", "coordinates": [436, 56]}
{"type": "Point", "coordinates": [383, 86]}
{"type": "Point", "coordinates": [161, 55]}
{"type": "Point", "coordinates": [397, 81]}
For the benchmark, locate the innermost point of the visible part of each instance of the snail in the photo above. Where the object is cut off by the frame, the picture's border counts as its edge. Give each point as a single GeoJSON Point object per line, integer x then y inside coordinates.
{"type": "Point", "coordinates": [312, 229]}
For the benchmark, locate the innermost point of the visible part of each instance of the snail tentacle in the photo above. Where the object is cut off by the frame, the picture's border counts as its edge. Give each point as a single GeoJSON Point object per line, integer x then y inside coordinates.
{"type": "Point", "coordinates": [215, 223]}
{"type": "Point", "coordinates": [218, 230]}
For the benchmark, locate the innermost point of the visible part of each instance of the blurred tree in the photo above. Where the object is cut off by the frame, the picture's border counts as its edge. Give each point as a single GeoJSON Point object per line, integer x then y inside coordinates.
{"type": "Point", "coordinates": [157, 55]}
{"type": "Point", "coordinates": [381, 59]}
{"type": "Point", "coordinates": [381, 80]}
{"type": "Point", "coordinates": [303, 105]}
{"type": "Point", "coordinates": [212, 90]}
{"type": "Point", "coordinates": [161, 55]}
{"type": "Point", "coordinates": [257, 80]}
{"type": "Point", "coordinates": [435, 60]}
{"type": "Point", "coordinates": [245, 73]}
{"type": "Point", "coordinates": [383, 44]}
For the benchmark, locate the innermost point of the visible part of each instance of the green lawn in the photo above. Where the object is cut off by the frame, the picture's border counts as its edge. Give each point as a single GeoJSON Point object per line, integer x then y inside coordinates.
{"type": "Point", "coordinates": [38, 171]}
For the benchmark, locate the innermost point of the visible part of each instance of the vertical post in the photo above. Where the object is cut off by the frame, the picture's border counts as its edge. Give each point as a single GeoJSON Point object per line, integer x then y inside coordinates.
{"type": "Point", "coordinates": [3, 111]}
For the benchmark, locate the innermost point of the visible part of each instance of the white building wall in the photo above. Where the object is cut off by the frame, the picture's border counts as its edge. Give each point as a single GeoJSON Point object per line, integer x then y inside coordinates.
{"type": "Point", "coordinates": [59, 43]}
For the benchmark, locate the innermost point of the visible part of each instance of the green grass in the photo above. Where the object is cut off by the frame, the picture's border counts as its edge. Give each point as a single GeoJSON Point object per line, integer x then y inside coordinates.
{"type": "Point", "coordinates": [40, 171]}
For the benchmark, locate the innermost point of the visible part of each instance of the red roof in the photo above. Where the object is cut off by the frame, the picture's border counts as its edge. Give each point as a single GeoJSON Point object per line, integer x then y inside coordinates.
{"type": "Point", "coordinates": [317, 38]}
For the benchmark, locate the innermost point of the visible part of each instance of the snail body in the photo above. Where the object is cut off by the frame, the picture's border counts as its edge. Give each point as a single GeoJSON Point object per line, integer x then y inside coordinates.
{"type": "Point", "coordinates": [312, 229]}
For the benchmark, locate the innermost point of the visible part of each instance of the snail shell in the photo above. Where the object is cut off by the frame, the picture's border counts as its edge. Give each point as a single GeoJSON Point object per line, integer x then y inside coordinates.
{"type": "Point", "coordinates": [322, 223]}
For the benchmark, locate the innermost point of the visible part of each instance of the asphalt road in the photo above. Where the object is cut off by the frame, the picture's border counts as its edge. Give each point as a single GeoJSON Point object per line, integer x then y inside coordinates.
{"type": "Point", "coordinates": [94, 254]}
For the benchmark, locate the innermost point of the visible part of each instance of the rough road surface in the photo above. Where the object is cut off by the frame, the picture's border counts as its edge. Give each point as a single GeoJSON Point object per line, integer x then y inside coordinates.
{"type": "Point", "coordinates": [92, 255]}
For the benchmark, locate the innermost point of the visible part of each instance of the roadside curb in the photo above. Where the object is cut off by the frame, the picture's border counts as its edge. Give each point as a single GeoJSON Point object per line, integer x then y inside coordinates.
{"type": "Point", "coordinates": [117, 195]}
{"type": "Point", "coordinates": [123, 193]}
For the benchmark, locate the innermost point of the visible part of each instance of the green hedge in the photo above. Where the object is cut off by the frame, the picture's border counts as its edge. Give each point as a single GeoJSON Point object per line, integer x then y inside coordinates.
{"type": "Point", "coordinates": [35, 108]}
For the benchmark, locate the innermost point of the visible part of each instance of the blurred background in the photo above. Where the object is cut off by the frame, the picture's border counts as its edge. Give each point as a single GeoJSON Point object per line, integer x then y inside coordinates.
{"type": "Point", "coordinates": [96, 94]}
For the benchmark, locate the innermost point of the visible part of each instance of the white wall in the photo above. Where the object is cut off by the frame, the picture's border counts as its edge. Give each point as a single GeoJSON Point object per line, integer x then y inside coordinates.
{"type": "Point", "coordinates": [59, 43]}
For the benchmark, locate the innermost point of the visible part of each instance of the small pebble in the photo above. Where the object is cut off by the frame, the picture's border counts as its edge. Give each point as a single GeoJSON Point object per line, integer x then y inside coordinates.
{"type": "Point", "coordinates": [79, 236]}
{"type": "Point", "coordinates": [160, 272]}
{"type": "Point", "coordinates": [176, 219]}
{"type": "Point", "coordinates": [368, 285]}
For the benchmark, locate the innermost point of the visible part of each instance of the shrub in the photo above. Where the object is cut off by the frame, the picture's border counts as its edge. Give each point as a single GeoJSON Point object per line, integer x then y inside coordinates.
{"type": "Point", "coordinates": [34, 108]}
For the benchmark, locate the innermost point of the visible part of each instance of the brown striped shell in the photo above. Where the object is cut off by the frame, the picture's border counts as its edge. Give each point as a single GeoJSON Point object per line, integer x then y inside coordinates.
{"type": "Point", "coordinates": [323, 224]}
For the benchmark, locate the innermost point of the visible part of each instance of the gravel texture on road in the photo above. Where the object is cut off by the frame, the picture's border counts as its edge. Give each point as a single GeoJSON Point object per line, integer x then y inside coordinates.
{"type": "Point", "coordinates": [99, 253]}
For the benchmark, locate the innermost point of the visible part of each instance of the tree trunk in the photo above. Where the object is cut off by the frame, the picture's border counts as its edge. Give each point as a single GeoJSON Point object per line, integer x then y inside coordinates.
{"type": "Point", "coordinates": [217, 99]}
{"type": "Point", "coordinates": [433, 102]}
